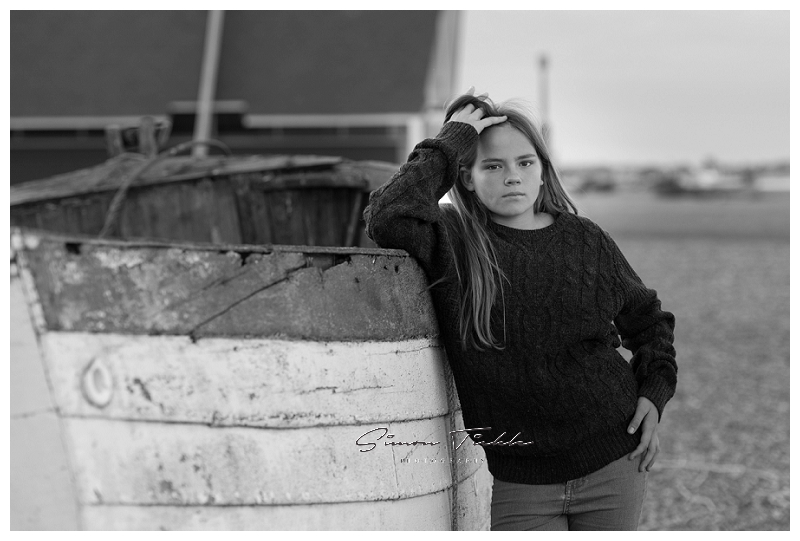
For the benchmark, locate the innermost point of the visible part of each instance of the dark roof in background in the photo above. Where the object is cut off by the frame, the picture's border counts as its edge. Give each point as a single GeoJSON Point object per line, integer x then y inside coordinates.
{"type": "Point", "coordinates": [98, 63]}
{"type": "Point", "coordinates": [302, 62]}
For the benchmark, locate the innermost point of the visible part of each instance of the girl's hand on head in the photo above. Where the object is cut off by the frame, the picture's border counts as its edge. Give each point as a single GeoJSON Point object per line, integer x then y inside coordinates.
{"type": "Point", "coordinates": [474, 117]}
{"type": "Point", "coordinates": [646, 415]}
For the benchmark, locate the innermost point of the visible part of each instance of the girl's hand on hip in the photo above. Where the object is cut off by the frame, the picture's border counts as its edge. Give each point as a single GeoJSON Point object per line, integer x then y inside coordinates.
{"type": "Point", "coordinates": [646, 415]}
{"type": "Point", "coordinates": [473, 116]}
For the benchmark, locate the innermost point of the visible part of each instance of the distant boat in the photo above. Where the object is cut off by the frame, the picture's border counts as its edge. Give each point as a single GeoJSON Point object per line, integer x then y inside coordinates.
{"type": "Point", "coordinates": [712, 183]}
{"type": "Point", "coordinates": [773, 183]}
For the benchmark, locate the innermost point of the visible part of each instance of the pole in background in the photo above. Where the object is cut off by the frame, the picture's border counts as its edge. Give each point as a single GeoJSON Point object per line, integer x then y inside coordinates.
{"type": "Point", "coordinates": [544, 104]}
{"type": "Point", "coordinates": [208, 82]}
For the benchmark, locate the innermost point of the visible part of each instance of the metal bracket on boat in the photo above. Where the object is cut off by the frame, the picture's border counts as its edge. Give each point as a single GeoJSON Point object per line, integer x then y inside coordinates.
{"type": "Point", "coordinates": [96, 384]}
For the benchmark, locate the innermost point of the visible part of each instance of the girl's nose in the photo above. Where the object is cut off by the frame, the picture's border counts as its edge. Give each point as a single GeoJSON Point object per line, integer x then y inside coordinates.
{"type": "Point", "coordinates": [513, 180]}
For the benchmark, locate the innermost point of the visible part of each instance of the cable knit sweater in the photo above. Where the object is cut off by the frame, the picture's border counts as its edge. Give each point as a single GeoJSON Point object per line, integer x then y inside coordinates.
{"type": "Point", "coordinates": [559, 387]}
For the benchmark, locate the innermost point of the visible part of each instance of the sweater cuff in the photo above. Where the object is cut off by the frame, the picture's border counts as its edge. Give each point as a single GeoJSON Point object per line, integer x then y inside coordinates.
{"type": "Point", "coordinates": [657, 391]}
{"type": "Point", "coordinates": [457, 136]}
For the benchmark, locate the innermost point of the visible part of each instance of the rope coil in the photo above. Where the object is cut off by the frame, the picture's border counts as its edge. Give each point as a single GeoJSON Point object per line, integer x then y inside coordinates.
{"type": "Point", "coordinates": [116, 203]}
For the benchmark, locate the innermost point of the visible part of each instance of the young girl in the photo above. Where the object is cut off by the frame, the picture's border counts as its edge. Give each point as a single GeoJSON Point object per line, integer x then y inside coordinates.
{"type": "Point", "coordinates": [525, 293]}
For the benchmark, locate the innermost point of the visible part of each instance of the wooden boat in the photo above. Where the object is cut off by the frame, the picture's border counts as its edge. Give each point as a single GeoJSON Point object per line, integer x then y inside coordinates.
{"type": "Point", "coordinates": [207, 366]}
{"type": "Point", "coordinates": [306, 200]}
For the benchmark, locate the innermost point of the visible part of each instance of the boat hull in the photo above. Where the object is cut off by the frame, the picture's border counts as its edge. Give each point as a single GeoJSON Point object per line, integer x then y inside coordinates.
{"type": "Point", "coordinates": [232, 387]}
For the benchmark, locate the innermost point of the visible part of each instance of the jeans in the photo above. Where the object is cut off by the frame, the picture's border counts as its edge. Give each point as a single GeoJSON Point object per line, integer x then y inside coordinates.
{"type": "Point", "coordinates": [608, 499]}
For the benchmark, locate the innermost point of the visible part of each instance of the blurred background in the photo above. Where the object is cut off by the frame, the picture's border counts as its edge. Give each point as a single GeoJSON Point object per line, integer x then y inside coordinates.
{"type": "Point", "coordinates": [670, 129]}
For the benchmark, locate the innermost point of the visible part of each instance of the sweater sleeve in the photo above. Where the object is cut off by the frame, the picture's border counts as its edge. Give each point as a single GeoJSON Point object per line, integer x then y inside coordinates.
{"type": "Point", "coordinates": [403, 212]}
{"type": "Point", "coordinates": [647, 331]}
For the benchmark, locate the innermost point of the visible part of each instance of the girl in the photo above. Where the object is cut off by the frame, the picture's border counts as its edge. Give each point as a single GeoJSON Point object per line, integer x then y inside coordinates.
{"type": "Point", "coordinates": [525, 292]}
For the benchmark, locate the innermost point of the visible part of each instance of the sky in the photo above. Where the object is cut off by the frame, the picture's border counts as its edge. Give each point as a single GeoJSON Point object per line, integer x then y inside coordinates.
{"type": "Point", "coordinates": [640, 87]}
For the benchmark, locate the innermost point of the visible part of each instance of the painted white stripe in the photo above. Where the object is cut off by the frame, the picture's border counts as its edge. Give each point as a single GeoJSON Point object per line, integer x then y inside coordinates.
{"type": "Point", "coordinates": [154, 463]}
{"type": "Point", "coordinates": [249, 382]}
{"type": "Point", "coordinates": [431, 512]}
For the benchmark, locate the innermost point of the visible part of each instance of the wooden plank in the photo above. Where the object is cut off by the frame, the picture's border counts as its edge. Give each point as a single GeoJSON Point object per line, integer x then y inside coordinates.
{"type": "Point", "coordinates": [141, 463]}
{"type": "Point", "coordinates": [279, 206]}
{"type": "Point", "coordinates": [51, 217]}
{"type": "Point", "coordinates": [294, 217]}
{"type": "Point", "coordinates": [429, 512]}
{"type": "Point", "coordinates": [256, 383]}
{"type": "Point", "coordinates": [109, 175]}
{"type": "Point", "coordinates": [223, 218]}
{"type": "Point", "coordinates": [348, 178]}
{"type": "Point", "coordinates": [24, 217]}
{"type": "Point", "coordinates": [92, 214]}
{"type": "Point", "coordinates": [247, 218]}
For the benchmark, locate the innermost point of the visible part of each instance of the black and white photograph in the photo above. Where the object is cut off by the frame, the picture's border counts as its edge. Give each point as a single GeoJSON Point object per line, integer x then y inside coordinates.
{"type": "Point", "coordinates": [399, 269]}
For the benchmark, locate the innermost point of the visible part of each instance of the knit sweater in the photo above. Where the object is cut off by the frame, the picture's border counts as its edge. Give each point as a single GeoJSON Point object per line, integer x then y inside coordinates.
{"type": "Point", "coordinates": [559, 387]}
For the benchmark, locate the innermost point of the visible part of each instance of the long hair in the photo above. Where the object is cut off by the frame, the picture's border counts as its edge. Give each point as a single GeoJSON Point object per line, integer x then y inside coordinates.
{"type": "Point", "coordinates": [479, 276]}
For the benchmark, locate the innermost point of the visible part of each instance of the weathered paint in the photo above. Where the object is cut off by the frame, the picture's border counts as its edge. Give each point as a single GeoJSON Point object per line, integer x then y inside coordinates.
{"type": "Point", "coordinates": [232, 384]}
{"type": "Point", "coordinates": [255, 382]}
{"type": "Point", "coordinates": [430, 512]}
{"type": "Point", "coordinates": [365, 298]}
{"type": "Point", "coordinates": [98, 287]}
{"type": "Point", "coordinates": [42, 492]}
{"type": "Point", "coordinates": [155, 463]}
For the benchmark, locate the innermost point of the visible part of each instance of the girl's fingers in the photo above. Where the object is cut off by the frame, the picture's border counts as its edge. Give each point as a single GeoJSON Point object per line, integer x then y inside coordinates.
{"type": "Point", "coordinates": [652, 460]}
{"type": "Point", "coordinates": [471, 91]}
{"type": "Point", "coordinates": [497, 119]}
{"type": "Point", "coordinates": [647, 460]}
{"type": "Point", "coordinates": [492, 120]}
{"type": "Point", "coordinates": [639, 450]}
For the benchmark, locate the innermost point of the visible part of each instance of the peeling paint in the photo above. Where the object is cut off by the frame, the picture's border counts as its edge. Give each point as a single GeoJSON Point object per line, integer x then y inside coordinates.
{"type": "Point", "coordinates": [255, 383]}
{"type": "Point", "coordinates": [114, 259]}
{"type": "Point", "coordinates": [142, 387]}
{"type": "Point", "coordinates": [31, 241]}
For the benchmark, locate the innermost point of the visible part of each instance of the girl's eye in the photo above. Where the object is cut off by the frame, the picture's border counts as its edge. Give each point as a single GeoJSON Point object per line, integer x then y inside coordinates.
{"type": "Point", "coordinates": [493, 167]}
{"type": "Point", "coordinates": [526, 163]}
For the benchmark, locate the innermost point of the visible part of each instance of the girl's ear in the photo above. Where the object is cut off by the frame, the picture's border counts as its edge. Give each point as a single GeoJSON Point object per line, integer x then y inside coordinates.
{"type": "Point", "coordinates": [466, 179]}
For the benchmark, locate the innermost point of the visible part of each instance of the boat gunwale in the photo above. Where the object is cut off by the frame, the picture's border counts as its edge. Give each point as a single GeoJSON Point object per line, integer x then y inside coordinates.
{"type": "Point", "coordinates": [201, 246]}
{"type": "Point", "coordinates": [219, 169]}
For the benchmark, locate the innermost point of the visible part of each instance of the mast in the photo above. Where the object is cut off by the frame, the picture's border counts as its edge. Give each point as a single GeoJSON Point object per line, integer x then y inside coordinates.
{"type": "Point", "coordinates": [544, 103]}
{"type": "Point", "coordinates": [208, 82]}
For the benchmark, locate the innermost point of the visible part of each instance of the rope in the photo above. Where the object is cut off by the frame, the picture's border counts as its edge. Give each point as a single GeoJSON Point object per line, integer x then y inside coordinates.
{"type": "Point", "coordinates": [116, 203]}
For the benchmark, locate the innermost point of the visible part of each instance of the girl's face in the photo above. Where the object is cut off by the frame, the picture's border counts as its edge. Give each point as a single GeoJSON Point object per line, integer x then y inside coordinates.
{"type": "Point", "coordinates": [506, 176]}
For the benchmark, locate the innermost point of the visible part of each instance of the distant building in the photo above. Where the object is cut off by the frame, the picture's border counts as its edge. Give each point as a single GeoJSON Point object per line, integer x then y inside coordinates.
{"type": "Point", "coordinates": [359, 84]}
